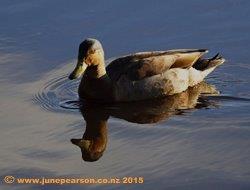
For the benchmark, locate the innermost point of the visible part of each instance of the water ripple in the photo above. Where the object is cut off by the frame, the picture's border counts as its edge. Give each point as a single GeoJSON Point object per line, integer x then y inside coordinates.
{"type": "Point", "coordinates": [58, 94]}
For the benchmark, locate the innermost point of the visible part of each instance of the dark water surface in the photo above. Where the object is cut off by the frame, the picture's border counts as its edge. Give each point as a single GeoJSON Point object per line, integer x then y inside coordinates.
{"type": "Point", "coordinates": [204, 147]}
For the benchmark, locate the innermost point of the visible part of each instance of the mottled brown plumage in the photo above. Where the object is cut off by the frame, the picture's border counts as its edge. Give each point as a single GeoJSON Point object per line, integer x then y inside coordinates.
{"type": "Point", "coordinates": [145, 64]}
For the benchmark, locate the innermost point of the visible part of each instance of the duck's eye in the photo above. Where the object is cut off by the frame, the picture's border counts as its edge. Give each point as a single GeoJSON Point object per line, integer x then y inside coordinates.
{"type": "Point", "coordinates": [91, 51]}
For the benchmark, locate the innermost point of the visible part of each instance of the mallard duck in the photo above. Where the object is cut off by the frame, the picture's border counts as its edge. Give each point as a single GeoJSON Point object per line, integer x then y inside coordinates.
{"type": "Point", "coordinates": [139, 76]}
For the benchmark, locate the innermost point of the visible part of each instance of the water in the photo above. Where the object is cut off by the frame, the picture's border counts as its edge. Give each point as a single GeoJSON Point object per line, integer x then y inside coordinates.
{"type": "Point", "coordinates": [197, 143]}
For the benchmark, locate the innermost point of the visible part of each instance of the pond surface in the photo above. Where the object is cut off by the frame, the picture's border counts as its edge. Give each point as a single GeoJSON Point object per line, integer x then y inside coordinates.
{"type": "Point", "coordinates": [190, 141]}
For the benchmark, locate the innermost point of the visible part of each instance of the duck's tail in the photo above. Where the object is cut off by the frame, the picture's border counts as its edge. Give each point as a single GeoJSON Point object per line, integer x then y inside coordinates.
{"type": "Point", "coordinates": [203, 64]}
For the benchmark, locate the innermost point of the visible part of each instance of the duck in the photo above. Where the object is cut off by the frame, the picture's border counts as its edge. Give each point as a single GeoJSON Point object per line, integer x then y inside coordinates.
{"type": "Point", "coordinates": [139, 76]}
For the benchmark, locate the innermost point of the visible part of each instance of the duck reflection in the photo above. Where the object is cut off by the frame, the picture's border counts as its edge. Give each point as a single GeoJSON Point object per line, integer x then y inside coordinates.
{"type": "Point", "coordinates": [94, 140]}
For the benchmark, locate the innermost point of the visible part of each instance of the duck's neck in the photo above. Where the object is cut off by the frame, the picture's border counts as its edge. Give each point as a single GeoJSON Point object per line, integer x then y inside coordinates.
{"type": "Point", "coordinates": [96, 84]}
{"type": "Point", "coordinates": [96, 71]}
{"type": "Point", "coordinates": [96, 131]}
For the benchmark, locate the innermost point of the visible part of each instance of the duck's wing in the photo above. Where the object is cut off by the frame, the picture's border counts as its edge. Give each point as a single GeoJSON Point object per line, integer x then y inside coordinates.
{"type": "Point", "coordinates": [140, 65]}
{"type": "Point", "coordinates": [145, 64]}
{"type": "Point", "coordinates": [187, 57]}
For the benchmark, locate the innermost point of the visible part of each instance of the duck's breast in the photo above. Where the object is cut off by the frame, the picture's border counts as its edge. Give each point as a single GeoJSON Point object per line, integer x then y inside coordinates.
{"type": "Point", "coordinates": [172, 81]}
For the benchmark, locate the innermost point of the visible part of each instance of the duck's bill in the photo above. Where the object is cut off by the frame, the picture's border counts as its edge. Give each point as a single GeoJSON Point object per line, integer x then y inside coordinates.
{"type": "Point", "coordinates": [82, 143]}
{"type": "Point", "coordinates": [78, 71]}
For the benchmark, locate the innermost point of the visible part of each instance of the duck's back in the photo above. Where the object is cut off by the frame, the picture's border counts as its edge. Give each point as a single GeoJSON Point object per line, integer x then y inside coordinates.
{"type": "Point", "coordinates": [148, 75]}
{"type": "Point", "coordinates": [146, 64]}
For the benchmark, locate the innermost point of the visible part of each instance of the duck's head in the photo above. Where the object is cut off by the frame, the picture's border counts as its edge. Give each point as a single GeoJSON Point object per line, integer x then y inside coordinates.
{"type": "Point", "coordinates": [90, 54]}
{"type": "Point", "coordinates": [91, 150]}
